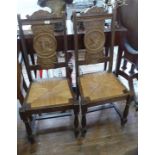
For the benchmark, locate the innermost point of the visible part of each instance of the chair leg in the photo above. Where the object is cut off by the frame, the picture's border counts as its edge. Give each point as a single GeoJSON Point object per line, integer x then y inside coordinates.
{"type": "Point", "coordinates": [29, 131]}
{"type": "Point", "coordinates": [27, 126]}
{"type": "Point", "coordinates": [77, 93]}
{"type": "Point", "coordinates": [83, 121]}
{"type": "Point", "coordinates": [76, 120]}
{"type": "Point", "coordinates": [126, 111]}
{"type": "Point", "coordinates": [131, 86]}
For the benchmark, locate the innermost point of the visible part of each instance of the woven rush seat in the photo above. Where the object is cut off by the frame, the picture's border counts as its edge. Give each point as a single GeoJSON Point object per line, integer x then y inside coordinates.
{"type": "Point", "coordinates": [49, 92]}
{"type": "Point", "coordinates": [101, 86]}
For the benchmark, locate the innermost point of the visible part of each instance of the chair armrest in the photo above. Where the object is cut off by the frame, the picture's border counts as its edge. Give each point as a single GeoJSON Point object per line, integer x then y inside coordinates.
{"type": "Point", "coordinates": [129, 48]}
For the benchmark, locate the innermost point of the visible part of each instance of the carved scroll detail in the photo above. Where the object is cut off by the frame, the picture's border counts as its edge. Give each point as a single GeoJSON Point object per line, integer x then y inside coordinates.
{"type": "Point", "coordinates": [44, 41]}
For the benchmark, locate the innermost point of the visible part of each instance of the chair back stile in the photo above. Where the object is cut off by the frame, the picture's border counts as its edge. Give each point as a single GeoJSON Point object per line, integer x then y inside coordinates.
{"type": "Point", "coordinates": [21, 84]}
{"type": "Point", "coordinates": [76, 48]}
{"type": "Point", "coordinates": [112, 40]}
{"type": "Point", "coordinates": [24, 49]}
{"type": "Point", "coordinates": [68, 69]}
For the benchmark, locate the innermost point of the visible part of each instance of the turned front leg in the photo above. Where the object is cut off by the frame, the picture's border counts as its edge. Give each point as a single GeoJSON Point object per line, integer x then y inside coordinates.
{"type": "Point", "coordinates": [126, 111]}
{"type": "Point", "coordinates": [26, 121]}
{"type": "Point", "coordinates": [76, 119]}
{"type": "Point", "coordinates": [83, 121]}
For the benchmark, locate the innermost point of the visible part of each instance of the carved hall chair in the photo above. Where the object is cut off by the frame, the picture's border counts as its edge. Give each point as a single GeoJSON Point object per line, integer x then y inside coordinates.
{"type": "Point", "coordinates": [51, 94]}
{"type": "Point", "coordinates": [103, 87]}
{"type": "Point", "coordinates": [129, 57]}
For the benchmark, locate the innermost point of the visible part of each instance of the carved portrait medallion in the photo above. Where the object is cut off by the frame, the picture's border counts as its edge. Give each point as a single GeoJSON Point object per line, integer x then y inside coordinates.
{"type": "Point", "coordinates": [45, 44]}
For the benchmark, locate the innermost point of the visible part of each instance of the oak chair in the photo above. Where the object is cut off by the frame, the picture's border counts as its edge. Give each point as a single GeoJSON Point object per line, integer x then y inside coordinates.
{"type": "Point", "coordinates": [51, 94]}
{"type": "Point", "coordinates": [99, 87]}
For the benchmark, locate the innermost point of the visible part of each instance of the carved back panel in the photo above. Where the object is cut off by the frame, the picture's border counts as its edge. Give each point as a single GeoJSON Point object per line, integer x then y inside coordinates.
{"type": "Point", "coordinates": [44, 41]}
{"type": "Point", "coordinates": [94, 38]}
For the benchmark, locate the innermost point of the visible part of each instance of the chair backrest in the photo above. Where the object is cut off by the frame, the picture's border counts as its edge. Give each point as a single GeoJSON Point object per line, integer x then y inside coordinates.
{"type": "Point", "coordinates": [94, 39]}
{"type": "Point", "coordinates": [44, 41]}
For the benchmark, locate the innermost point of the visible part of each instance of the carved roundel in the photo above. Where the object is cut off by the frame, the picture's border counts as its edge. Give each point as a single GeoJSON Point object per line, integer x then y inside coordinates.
{"type": "Point", "coordinates": [45, 45]}
{"type": "Point", "coordinates": [94, 40]}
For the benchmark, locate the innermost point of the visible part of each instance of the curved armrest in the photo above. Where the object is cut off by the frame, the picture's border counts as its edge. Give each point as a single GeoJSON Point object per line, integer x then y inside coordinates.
{"type": "Point", "coordinates": [129, 48]}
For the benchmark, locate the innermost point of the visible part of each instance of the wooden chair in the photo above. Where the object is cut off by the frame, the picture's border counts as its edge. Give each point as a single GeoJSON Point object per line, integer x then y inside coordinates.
{"type": "Point", "coordinates": [129, 50]}
{"type": "Point", "coordinates": [129, 57]}
{"type": "Point", "coordinates": [51, 94]}
{"type": "Point", "coordinates": [100, 87]}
